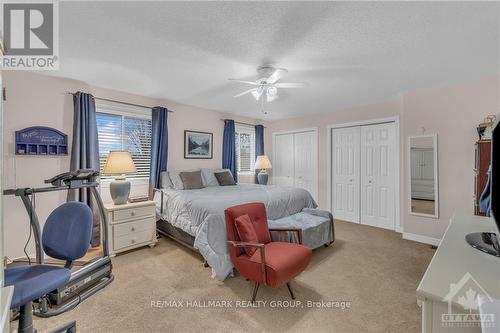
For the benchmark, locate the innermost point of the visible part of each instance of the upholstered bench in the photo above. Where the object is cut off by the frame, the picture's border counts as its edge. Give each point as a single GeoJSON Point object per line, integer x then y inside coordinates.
{"type": "Point", "coordinates": [317, 227]}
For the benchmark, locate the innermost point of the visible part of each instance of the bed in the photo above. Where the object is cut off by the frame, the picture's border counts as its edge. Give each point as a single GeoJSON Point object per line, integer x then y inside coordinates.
{"type": "Point", "coordinates": [196, 217]}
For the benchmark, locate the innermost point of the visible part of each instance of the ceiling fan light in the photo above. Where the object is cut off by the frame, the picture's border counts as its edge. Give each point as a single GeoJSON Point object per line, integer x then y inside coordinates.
{"type": "Point", "coordinates": [271, 91]}
{"type": "Point", "coordinates": [258, 92]}
{"type": "Point", "coordinates": [271, 98]}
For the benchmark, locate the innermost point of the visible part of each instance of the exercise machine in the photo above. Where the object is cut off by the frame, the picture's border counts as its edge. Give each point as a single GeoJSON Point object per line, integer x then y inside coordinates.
{"type": "Point", "coordinates": [93, 275]}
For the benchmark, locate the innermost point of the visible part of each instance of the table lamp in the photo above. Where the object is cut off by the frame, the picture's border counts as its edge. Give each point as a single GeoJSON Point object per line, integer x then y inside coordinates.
{"type": "Point", "coordinates": [263, 164]}
{"type": "Point", "coordinates": [119, 163]}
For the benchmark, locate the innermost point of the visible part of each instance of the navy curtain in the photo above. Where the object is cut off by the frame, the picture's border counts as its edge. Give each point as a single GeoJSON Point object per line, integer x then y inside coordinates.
{"type": "Point", "coordinates": [259, 145]}
{"type": "Point", "coordinates": [229, 148]}
{"type": "Point", "coordinates": [85, 153]}
{"type": "Point", "coordinates": [159, 146]}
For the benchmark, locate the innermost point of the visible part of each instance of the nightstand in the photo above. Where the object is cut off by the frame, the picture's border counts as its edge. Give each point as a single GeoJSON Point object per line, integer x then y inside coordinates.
{"type": "Point", "coordinates": [130, 226]}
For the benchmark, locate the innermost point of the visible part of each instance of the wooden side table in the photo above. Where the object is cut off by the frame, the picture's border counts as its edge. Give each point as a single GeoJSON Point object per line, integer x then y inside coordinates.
{"type": "Point", "coordinates": [130, 226]}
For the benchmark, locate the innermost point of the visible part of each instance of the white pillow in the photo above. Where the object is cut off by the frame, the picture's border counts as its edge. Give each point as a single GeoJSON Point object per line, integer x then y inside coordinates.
{"type": "Point", "coordinates": [208, 177]}
{"type": "Point", "coordinates": [176, 180]}
{"type": "Point", "coordinates": [165, 180]}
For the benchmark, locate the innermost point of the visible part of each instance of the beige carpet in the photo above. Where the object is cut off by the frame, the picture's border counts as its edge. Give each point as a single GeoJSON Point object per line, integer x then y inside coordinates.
{"type": "Point", "coordinates": [374, 269]}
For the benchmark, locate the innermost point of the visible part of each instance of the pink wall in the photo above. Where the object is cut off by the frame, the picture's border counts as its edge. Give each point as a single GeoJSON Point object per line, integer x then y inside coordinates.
{"type": "Point", "coordinates": [451, 111]}
{"type": "Point", "coordinates": [34, 99]}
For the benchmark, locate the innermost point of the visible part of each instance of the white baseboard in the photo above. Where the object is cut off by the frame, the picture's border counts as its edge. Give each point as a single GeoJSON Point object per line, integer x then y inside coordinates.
{"type": "Point", "coordinates": [421, 238]}
{"type": "Point", "coordinates": [397, 228]}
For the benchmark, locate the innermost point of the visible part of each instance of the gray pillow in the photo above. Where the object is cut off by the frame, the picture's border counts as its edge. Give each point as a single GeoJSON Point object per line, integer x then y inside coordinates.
{"type": "Point", "coordinates": [176, 180]}
{"type": "Point", "coordinates": [191, 180]}
{"type": "Point", "coordinates": [165, 180]}
{"type": "Point", "coordinates": [225, 178]}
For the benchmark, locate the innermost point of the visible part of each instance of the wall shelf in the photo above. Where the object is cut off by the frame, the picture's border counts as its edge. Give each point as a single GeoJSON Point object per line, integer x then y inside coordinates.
{"type": "Point", "coordinates": [39, 140]}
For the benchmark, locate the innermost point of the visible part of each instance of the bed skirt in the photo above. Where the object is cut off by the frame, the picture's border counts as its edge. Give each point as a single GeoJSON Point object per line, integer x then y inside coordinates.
{"type": "Point", "coordinates": [177, 234]}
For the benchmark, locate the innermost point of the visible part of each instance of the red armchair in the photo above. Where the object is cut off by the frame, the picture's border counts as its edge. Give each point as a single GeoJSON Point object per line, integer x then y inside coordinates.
{"type": "Point", "coordinates": [272, 263]}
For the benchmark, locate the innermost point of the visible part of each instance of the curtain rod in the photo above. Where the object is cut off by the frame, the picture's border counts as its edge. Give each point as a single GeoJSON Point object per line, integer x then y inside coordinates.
{"type": "Point", "coordinates": [126, 103]}
{"type": "Point", "coordinates": [242, 123]}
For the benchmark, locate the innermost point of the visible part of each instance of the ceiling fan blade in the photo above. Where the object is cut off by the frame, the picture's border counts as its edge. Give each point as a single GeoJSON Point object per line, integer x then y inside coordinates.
{"type": "Point", "coordinates": [273, 78]}
{"type": "Point", "coordinates": [243, 81]}
{"type": "Point", "coordinates": [245, 92]}
{"type": "Point", "coordinates": [290, 85]}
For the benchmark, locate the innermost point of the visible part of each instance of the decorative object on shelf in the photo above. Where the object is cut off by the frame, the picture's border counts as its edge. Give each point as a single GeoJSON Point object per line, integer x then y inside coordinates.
{"type": "Point", "coordinates": [486, 127]}
{"type": "Point", "coordinates": [40, 140]}
{"type": "Point", "coordinates": [119, 163]}
{"type": "Point", "coordinates": [198, 145]}
{"type": "Point", "coordinates": [263, 164]}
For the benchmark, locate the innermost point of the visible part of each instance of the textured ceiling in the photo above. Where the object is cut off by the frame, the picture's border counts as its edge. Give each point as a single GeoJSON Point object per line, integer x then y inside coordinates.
{"type": "Point", "coordinates": [348, 53]}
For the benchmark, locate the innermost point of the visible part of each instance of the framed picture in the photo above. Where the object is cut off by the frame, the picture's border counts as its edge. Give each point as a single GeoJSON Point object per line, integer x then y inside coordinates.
{"type": "Point", "coordinates": [198, 145]}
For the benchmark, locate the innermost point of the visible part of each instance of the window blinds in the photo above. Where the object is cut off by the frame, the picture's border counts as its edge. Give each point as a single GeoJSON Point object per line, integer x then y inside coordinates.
{"type": "Point", "coordinates": [120, 131]}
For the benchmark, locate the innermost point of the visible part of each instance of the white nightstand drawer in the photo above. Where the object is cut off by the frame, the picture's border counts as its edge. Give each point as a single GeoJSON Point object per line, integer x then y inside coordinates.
{"type": "Point", "coordinates": [132, 239]}
{"type": "Point", "coordinates": [131, 226]}
{"type": "Point", "coordinates": [124, 214]}
{"type": "Point", "coordinates": [122, 229]}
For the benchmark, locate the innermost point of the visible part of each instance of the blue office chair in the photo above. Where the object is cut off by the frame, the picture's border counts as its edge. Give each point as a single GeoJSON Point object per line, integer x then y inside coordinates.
{"type": "Point", "coordinates": [66, 236]}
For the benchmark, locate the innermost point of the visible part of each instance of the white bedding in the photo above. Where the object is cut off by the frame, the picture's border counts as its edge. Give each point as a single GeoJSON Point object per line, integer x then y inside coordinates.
{"type": "Point", "coordinates": [200, 213]}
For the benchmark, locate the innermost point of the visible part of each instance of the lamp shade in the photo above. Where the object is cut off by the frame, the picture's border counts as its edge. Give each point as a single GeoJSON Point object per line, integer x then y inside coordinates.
{"type": "Point", "coordinates": [263, 162]}
{"type": "Point", "coordinates": [119, 162]}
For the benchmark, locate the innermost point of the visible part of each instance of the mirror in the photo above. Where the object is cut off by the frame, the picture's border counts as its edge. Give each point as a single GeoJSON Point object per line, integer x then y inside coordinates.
{"type": "Point", "coordinates": [422, 156]}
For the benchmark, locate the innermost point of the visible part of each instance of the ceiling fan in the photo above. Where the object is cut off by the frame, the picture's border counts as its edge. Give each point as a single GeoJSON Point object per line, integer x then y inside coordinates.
{"type": "Point", "coordinates": [267, 86]}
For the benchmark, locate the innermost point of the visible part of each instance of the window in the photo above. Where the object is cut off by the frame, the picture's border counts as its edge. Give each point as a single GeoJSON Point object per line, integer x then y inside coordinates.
{"type": "Point", "coordinates": [122, 127]}
{"type": "Point", "coordinates": [245, 149]}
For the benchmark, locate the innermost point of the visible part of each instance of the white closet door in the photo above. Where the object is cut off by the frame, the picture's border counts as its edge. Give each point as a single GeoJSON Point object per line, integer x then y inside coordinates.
{"type": "Point", "coordinates": [416, 163]}
{"type": "Point", "coordinates": [428, 164]}
{"type": "Point", "coordinates": [378, 169]}
{"type": "Point", "coordinates": [346, 173]}
{"type": "Point", "coordinates": [283, 166]}
{"type": "Point", "coordinates": [305, 160]}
